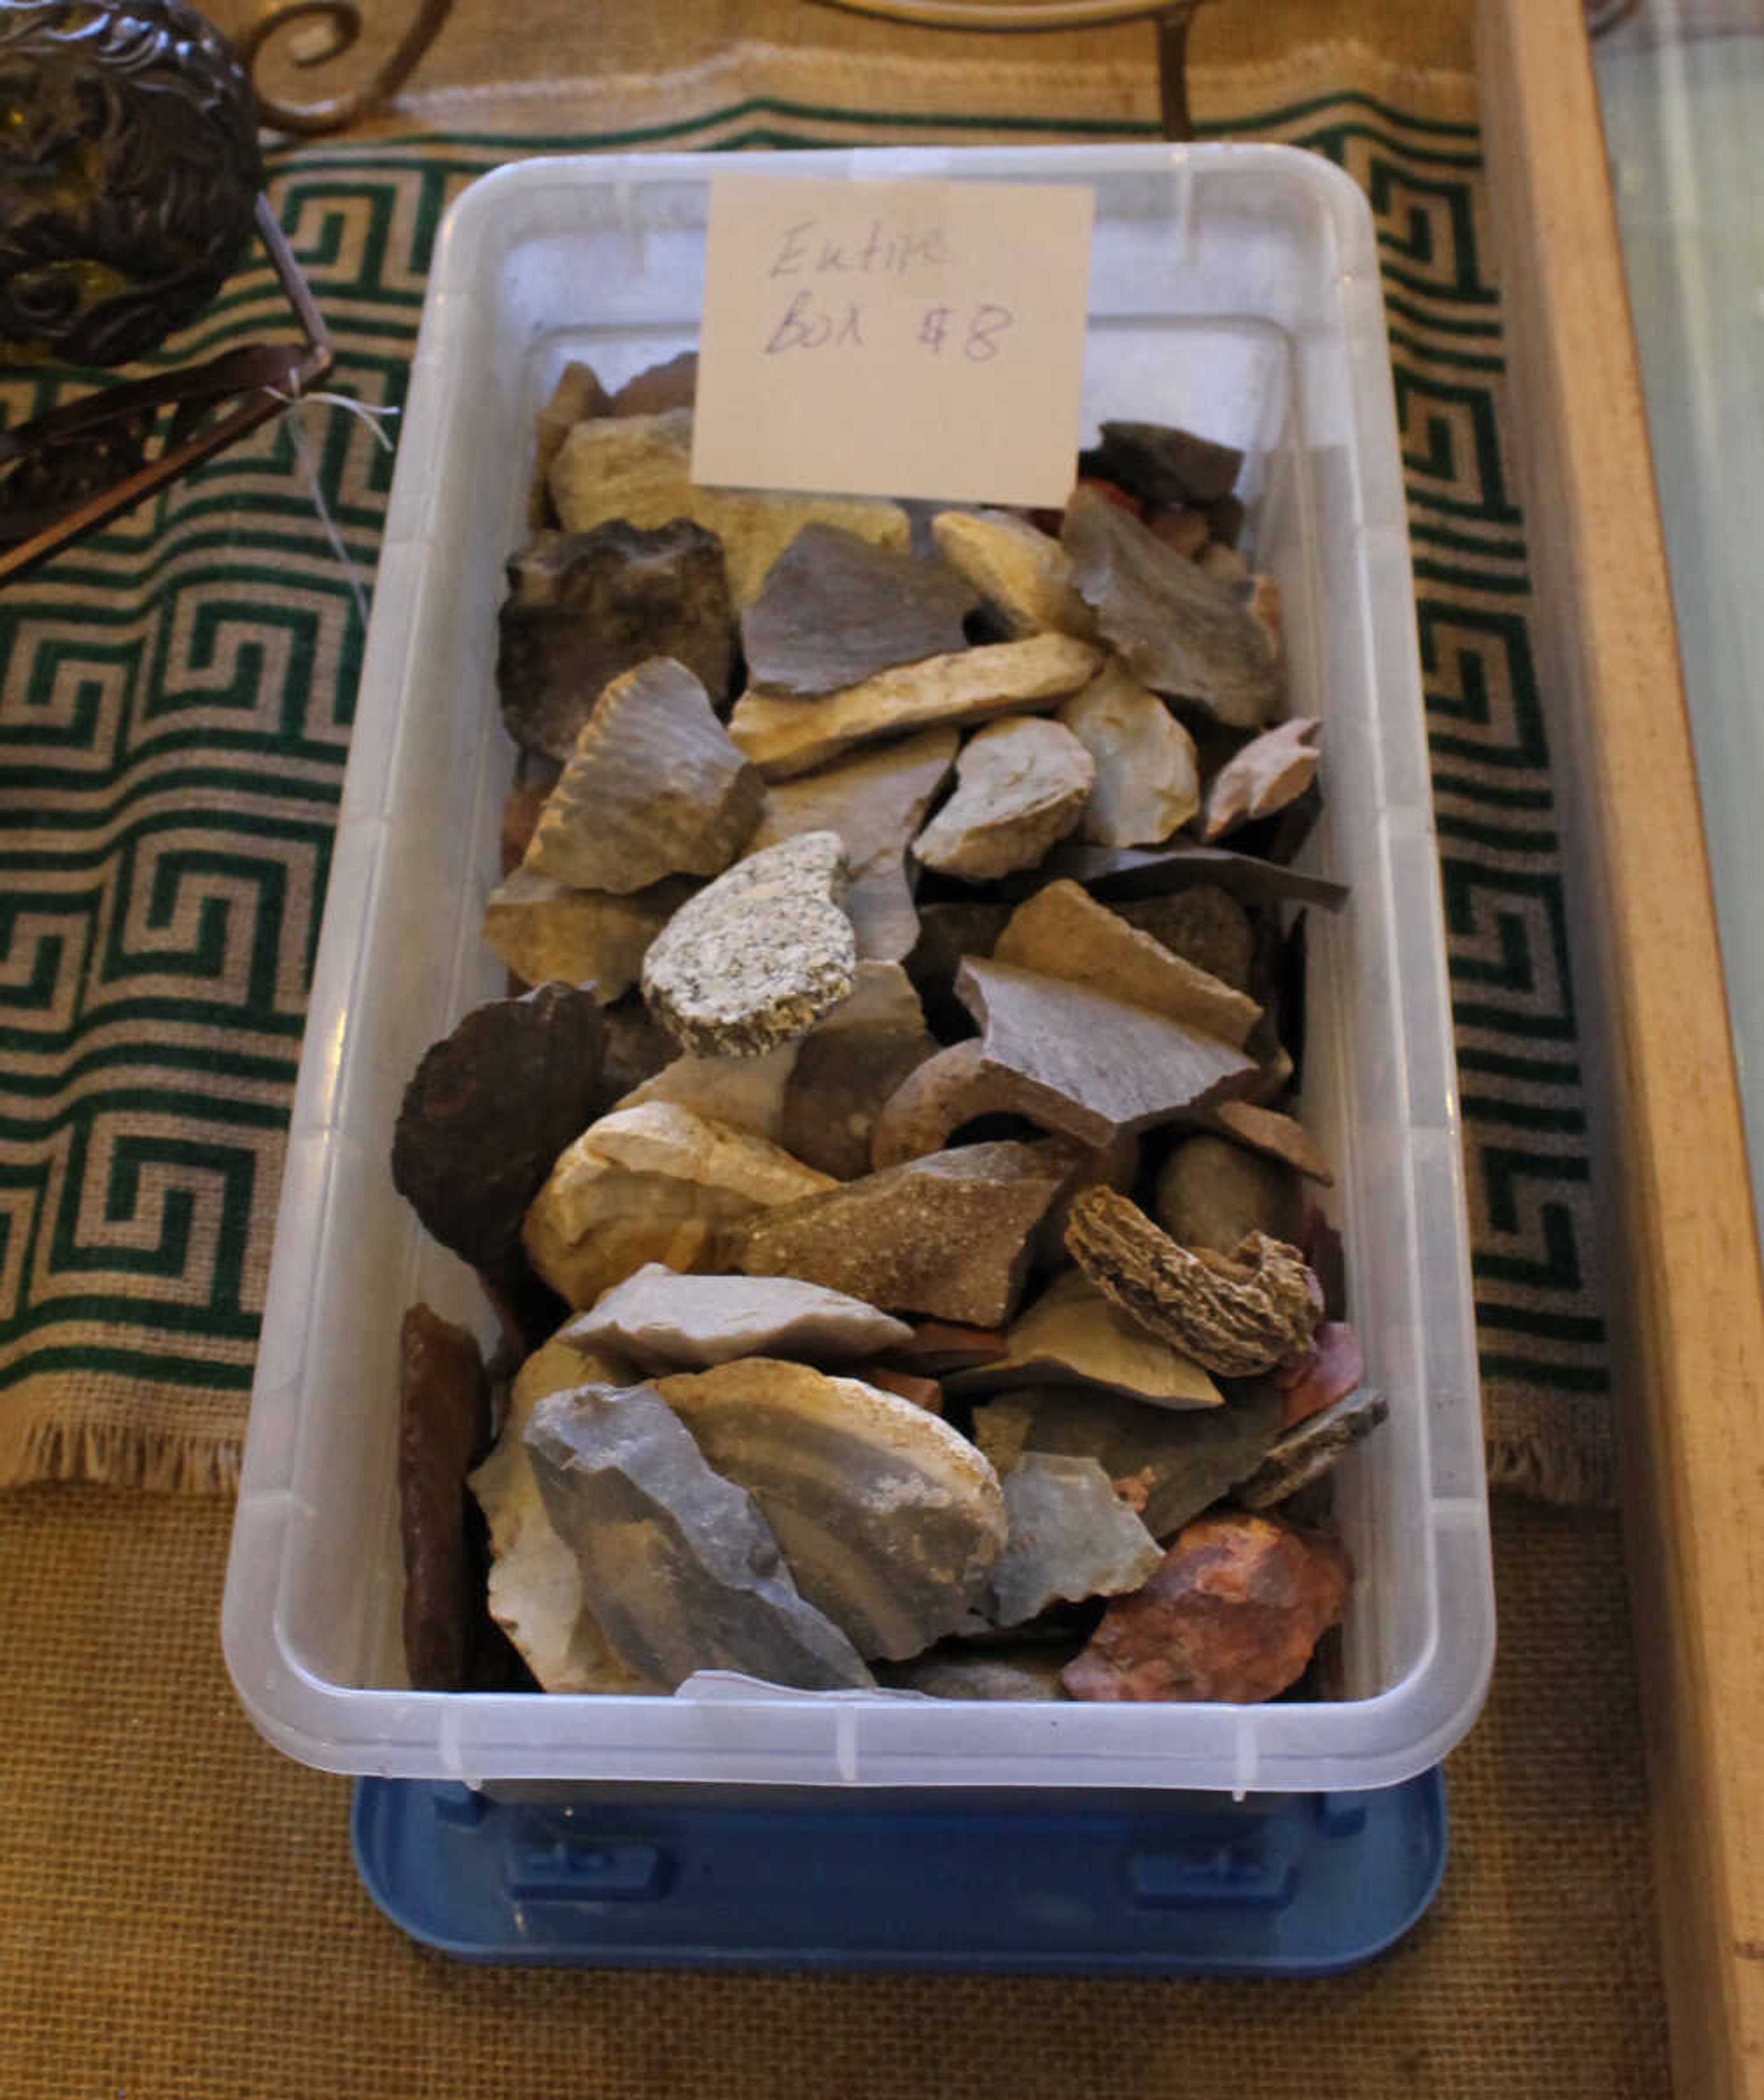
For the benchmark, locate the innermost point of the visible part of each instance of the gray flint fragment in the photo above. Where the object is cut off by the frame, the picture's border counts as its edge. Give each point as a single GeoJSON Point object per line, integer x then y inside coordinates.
{"type": "Point", "coordinates": [1070, 1538]}
{"type": "Point", "coordinates": [1312, 1448]}
{"type": "Point", "coordinates": [662, 1320]}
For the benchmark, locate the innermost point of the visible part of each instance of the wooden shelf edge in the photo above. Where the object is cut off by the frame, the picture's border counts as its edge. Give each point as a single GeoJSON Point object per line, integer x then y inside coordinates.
{"type": "Point", "coordinates": [1669, 1150]}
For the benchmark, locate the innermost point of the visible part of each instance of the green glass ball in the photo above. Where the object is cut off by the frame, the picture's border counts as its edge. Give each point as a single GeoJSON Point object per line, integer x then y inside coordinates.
{"type": "Point", "coordinates": [129, 175]}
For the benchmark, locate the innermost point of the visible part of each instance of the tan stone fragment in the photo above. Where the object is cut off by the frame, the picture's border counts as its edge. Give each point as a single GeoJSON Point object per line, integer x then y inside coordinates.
{"type": "Point", "coordinates": [544, 930]}
{"type": "Point", "coordinates": [1021, 785]}
{"type": "Point", "coordinates": [639, 468]}
{"type": "Point", "coordinates": [1074, 1335]}
{"type": "Point", "coordinates": [1272, 770]}
{"type": "Point", "coordinates": [1147, 780]}
{"type": "Point", "coordinates": [654, 1183]}
{"type": "Point", "coordinates": [1278, 1136]}
{"type": "Point", "coordinates": [787, 737]}
{"type": "Point", "coordinates": [1021, 572]}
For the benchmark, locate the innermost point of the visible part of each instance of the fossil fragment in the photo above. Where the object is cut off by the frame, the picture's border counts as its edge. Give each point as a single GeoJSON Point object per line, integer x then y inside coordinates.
{"type": "Point", "coordinates": [758, 957]}
{"type": "Point", "coordinates": [1069, 1536]}
{"type": "Point", "coordinates": [1147, 780]}
{"type": "Point", "coordinates": [1249, 1311]}
{"type": "Point", "coordinates": [1272, 770]}
{"type": "Point", "coordinates": [1073, 1335]}
{"type": "Point", "coordinates": [639, 468]}
{"type": "Point", "coordinates": [487, 1111]}
{"type": "Point", "coordinates": [1163, 464]}
{"type": "Point", "coordinates": [1175, 629]}
{"type": "Point", "coordinates": [536, 1587]}
{"type": "Point", "coordinates": [1021, 785]}
{"type": "Point", "coordinates": [653, 787]}
{"type": "Point", "coordinates": [787, 737]}
{"type": "Point", "coordinates": [543, 929]}
{"type": "Point", "coordinates": [679, 1565]}
{"type": "Point", "coordinates": [1212, 1193]}
{"type": "Point", "coordinates": [1166, 1464]}
{"type": "Point", "coordinates": [1311, 1448]}
{"type": "Point", "coordinates": [653, 1183]}
{"type": "Point", "coordinates": [585, 607]}
{"type": "Point", "coordinates": [890, 1521]}
{"type": "Point", "coordinates": [443, 1423]}
{"type": "Point", "coordinates": [836, 609]}
{"type": "Point", "coordinates": [1020, 571]}
{"type": "Point", "coordinates": [1091, 1066]}
{"type": "Point", "coordinates": [660, 1320]}
{"type": "Point", "coordinates": [1233, 1614]}
{"type": "Point", "coordinates": [948, 1235]}
{"type": "Point", "coordinates": [875, 799]}
{"type": "Point", "coordinates": [1063, 931]}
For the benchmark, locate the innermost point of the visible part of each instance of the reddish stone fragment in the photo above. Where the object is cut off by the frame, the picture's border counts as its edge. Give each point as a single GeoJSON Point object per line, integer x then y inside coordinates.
{"type": "Point", "coordinates": [923, 1392]}
{"type": "Point", "coordinates": [1185, 530]}
{"type": "Point", "coordinates": [443, 1428]}
{"type": "Point", "coordinates": [1329, 1370]}
{"type": "Point", "coordinates": [1112, 492]}
{"type": "Point", "coordinates": [1232, 1614]}
{"type": "Point", "coordinates": [520, 815]}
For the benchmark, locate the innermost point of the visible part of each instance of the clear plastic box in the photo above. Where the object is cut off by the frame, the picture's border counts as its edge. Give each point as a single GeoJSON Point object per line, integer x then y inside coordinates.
{"type": "Point", "coordinates": [1234, 289]}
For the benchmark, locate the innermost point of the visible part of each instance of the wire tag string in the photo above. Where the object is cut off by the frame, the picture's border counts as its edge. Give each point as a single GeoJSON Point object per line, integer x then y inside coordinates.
{"type": "Point", "coordinates": [364, 411]}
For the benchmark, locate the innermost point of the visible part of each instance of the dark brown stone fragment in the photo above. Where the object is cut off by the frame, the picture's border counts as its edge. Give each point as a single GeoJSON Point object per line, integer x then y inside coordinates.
{"type": "Point", "coordinates": [1203, 925]}
{"type": "Point", "coordinates": [1135, 871]}
{"type": "Point", "coordinates": [487, 1113]}
{"type": "Point", "coordinates": [1311, 1447]}
{"type": "Point", "coordinates": [584, 607]}
{"type": "Point", "coordinates": [1161, 464]}
{"type": "Point", "coordinates": [443, 1428]}
{"type": "Point", "coordinates": [658, 387]}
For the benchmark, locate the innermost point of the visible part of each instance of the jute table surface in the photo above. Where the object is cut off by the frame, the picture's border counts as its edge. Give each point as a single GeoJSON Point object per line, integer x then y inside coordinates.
{"type": "Point", "coordinates": [178, 1917]}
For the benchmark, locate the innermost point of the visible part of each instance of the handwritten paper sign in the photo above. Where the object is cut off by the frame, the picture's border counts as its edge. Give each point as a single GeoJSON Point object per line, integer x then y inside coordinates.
{"type": "Point", "coordinates": [892, 339]}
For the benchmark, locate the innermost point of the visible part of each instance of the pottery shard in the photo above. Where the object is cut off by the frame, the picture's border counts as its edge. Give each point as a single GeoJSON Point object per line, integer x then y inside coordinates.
{"type": "Point", "coordinates": [1312, 1447]}
{"type": "Point", "coordinates": [1164, 465]}
{"type": "Point", "coordinates": [1021, 785]}
{"type": "Point", "coordinates": [1175, 629]}
{"type": "Point", "coordinates": [1249, 1311]}
{"type": "Point", "coordinates": [677, 1563]}
{"type": "Point", "coordinates": [1203, 925]}
{"type": "Point", "coordinates": [1212, 1193]}
{"type": "Point", "coordinates": [639, 468]}
{"type": "Point", "coordinates": [487, 1111]}
{"type": "Point", "coordinates": [1070, 1537]}
{"type": "Point", "coordinates": [836, 608]}
{"type": "Point", "coordinates": [655, 1183]}
{"type": "Point", "coordinates": [1073, 1335]}
{"type": "Point", "coordinates": [653, 787]}
{"type": "Point", "coordinates": [659, 1319]}
{"type": "Point", "coordinates": [876, 800]}
{"type": "Point", "coordinates": [444, 1422]}
{"type": "Point", "coordinates": [948, 1235]}
{"type": "Point", "coordinates": [543, 929]}
{"type": "Point", "coordinates": [1064, 932]}
{"type": "Point", "coordinates": [583, 608]}
{"type": "Point", "coordinates": [1166, 1465]}
{"type": "Point", "coordinates": [757, 958]}
{"type": "Point", "coordinates": [787, 737]}
{"type": "Point", "coordinates": [1093, 1067]}
{"type": "Point", "coordinates": [891, 1522]}
{"type": "Point", "coordinates": [1271, 771]}
{"type": "Point", "coordinates": [1234, 1613]}
{"type": "Point", "coordinates": [1147, 780]}
{"type": "Point", "coordinates": [536, 1586]}
{"type": "Point", "coordinates": [1020, 571]}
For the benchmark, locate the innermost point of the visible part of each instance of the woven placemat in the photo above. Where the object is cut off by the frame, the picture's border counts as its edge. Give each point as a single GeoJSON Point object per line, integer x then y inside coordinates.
{"type": "Point", "coordinates": [176, 706]}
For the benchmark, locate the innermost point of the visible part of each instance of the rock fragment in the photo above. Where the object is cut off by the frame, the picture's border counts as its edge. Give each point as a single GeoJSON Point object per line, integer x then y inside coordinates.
{"type": "Point", "coordinates": [1020, 571]}
{"type": "Point", "coordinates": [487, 1111]}
{"type": "Point", "coordinates": [1021, 785]}
{"type": "Point", "coordinates": [679, 1565]}
{"type": "Point", "coordinates": [1272, 770]}
{"type": "Point", "coordinates": [1073, 1335]}
{"type": "Point", "coordinates": [836, 609]}
{"type": "Point", "coordinates": [1239, 1314]}
{"type": "Point", "coordinates": [1148, 779]}
{"type": "Point", "coordinates": [584, 608]}
{"type": "Point", "coordinates": [1139, 871]}
{"type": "Point", "coordinates": [443, 1424]}
{"type": "Point", "coordinates": [787, 737]}
{"type": "Point", "coordinates": [876, 800]}
{"type": "Point", "coordinates": [639, 468]}
{"type": "Point", "coordinates": [662, 1320]}
{"type": "Point", "coordinates": [1175, 629]}
{"type": "Point", "coordinates": [1163, 464]}
{"type": "Point", "coordinates": [658, 387]}
{"type": "Point", "coordinates": [1212, 1193]}
{"type": "Point", "coordinates": [891, 1522]}
{"type": "Point", "coordinates": [577, 395]}
{"type": "Point", "coordinates": [1165, 1464]}
{"type": "Point", "coordinates": [1312, 1447]}
{"type": "Point", "coordinates": [652, 788]}
{"type": "Point", "coordinates": [1070, 1537]}
{"type": "Point", "coordinates": [1232, 1614]}
{"type": "Point", "coordinates": [756, 958]}
{"type": "Point", "coordinates": [1328, 1371]}
{"type": "Point", "coordinates": [947, 1237]}
{"type": "Point", "coordinates": [654, 1183]}
{"type": "Point", "coordinates": [848, 1066]}
{"type": "Point", "coordinates": [1274, 1136]}
{"type": "Point", "coordinates": [1019, 1673]}
{"type": "Point", "coordinates": [543, 929]}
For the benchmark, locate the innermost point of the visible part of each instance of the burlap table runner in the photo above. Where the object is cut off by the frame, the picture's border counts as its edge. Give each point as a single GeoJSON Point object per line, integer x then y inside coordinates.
{"type": "Point", "coordinates": [175, 708]}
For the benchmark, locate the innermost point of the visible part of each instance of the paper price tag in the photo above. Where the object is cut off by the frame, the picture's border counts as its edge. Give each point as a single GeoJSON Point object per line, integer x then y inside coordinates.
{"type": "Point", "coordinates": [893, 338]}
